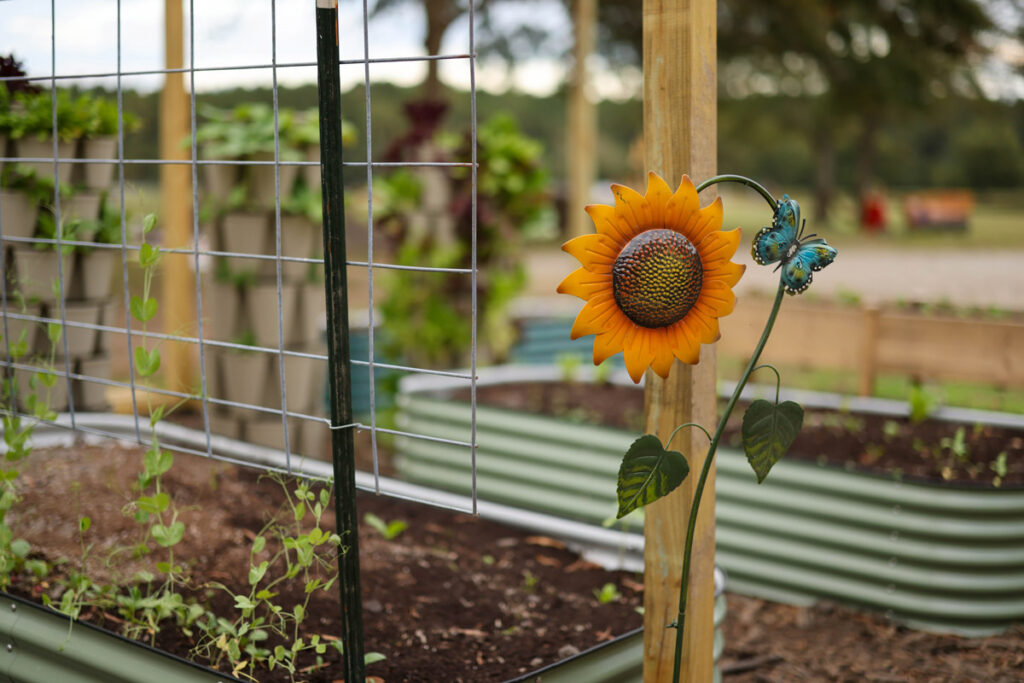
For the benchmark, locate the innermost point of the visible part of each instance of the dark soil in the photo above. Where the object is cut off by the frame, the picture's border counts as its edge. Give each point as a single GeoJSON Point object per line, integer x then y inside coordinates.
{"type": "Point", "coordinates": [452, 598]}
{"type": "Point", "coordinates": [455, 598]}
{"type": "Point", "coordinates": [895, 447]}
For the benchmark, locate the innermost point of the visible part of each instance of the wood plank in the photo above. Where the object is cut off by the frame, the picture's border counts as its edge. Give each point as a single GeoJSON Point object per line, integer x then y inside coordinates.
{"type": "Point", "coordinates": [680, 136]}
{"type": "Point", "coordinates": [177, 289]}
{"type": "Point", "coordinates": [582, 120]}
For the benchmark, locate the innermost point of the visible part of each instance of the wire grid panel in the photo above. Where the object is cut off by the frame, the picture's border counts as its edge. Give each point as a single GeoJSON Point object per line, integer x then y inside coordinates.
{"type": "Point", "coordinates": [266, 287]}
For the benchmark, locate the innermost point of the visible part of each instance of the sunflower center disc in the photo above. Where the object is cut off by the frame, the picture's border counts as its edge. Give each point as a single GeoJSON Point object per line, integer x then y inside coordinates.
{"type": "Point", "coordinates": [657, 278]}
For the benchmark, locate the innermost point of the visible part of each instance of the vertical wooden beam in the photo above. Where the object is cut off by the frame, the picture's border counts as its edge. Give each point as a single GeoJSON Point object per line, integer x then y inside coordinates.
{"type": "Point", "coordinates": [177, 299]}
{"type": "Point", "coordinates": [680, 136]}
{"type": "Point", "coordinates": [582, 120]}
{"type": "Point", "coordinates": [869, 351]}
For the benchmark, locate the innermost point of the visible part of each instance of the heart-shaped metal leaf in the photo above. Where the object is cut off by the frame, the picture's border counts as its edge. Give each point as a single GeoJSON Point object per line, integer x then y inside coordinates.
{"type": "Point", "coordinates": [647, 473]}
{"type": "Point", "coordinates": [769, 429]}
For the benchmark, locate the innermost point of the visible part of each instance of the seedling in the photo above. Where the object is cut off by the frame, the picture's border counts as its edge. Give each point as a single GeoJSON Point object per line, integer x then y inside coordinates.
{"type": "Point", "coordinates": [389, 530]}
{"type": "Point", "coordinates": [607, 593]}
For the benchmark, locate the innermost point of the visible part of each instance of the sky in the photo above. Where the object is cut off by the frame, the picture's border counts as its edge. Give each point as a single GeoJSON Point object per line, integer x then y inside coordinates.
{"type": "Point", "coordinates": [232, 33]}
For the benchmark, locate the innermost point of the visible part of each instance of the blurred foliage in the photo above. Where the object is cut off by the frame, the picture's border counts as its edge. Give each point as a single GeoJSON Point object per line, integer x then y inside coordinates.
{"type": "Point", "coordinates": [428, 314]}
{"type": "Point", "coordinates": [30, 113]}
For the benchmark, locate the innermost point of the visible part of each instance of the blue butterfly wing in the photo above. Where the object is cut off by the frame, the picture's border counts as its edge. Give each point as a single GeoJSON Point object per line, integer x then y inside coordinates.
{"type": "Point", "coordinates": [773, 243]}
{"type": "Point", "coordinates": [809, 257]}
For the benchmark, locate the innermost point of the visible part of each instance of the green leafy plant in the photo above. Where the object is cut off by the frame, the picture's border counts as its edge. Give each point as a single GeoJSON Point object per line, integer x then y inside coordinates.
{"type": "Point", "coordinates": [999, 467]}
{"type": "Point", "coordinates": [607, 593]}
{"type": "Point", "coordinates": [922, 402]}
{"type": "Point", "coordinates": [388, 530]}
{"type": "Point", "coordinates": [17, 433]}
{"type": "Point", "coordinates": [265, 633]}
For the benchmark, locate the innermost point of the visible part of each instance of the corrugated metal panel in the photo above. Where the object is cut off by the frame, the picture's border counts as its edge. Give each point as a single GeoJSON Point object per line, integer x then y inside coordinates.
{"type": "Point", "coordinates": [943, 557]}
{"type": "Point", "coordinates": [40, 647]}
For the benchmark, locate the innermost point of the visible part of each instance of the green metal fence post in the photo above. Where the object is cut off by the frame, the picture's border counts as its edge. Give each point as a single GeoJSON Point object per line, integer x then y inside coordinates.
{"type": "Point", "coordinates": [339, 366]}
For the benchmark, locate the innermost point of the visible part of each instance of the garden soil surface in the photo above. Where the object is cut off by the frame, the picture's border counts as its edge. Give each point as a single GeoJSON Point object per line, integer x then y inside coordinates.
{"type": "Point", "coordinates": [453, 597]}
{"type": "Point", "coordinates": [928, 450]}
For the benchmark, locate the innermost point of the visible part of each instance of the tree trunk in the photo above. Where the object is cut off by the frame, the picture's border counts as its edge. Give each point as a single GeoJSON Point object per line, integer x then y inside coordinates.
{"type": "Point", "coordinates": [825, 177]}
{"type": "Point", "coordinates": [440, 15]}
{"type": "Point", "coordinates": [866, 155]}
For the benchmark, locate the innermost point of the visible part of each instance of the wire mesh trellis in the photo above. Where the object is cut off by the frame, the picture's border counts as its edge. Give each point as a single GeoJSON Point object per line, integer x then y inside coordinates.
{"type": "Point", "coordinates": [79, 362]}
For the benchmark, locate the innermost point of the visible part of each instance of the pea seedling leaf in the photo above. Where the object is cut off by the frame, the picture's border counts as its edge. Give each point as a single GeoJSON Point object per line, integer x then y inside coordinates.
{"type": "Point", "coordinates": [769, 429]}
{"type": "Point", "coordinates": [142, 310]}
{"type": "Point", "coordinates": [647, 473]}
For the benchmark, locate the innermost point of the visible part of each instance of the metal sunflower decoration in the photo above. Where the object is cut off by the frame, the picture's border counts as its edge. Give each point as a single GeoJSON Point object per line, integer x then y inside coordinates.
{"type": "Point", "coordinates": [656, 277]}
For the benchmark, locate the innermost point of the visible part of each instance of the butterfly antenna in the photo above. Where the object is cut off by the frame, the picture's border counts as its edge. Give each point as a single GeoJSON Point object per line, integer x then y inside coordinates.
{"type": "Point", "coordinates": [802, 226]}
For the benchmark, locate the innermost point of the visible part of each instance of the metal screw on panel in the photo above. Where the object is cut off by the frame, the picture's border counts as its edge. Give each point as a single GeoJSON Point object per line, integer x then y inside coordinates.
{"type": "Point", "coordinates": [10, 647]}
{"type": "Point", "coordinates": [14, 607]}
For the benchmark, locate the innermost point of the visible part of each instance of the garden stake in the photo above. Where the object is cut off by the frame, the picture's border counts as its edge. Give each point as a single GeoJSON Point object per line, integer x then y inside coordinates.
{"type": "Point", "coordinates": [339, 365]}
{"type": "Point", "coordinates": [656, 277]}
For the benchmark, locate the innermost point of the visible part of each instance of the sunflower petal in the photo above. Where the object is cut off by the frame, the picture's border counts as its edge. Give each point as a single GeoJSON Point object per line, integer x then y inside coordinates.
{"type": "Point", "coordinates": [632, 206]}
{"type": "Point", "coordinates": [610, 343]}
{"type": "Point", "coordinates": [609, 223]}
{"type": "Point", "coordinates": [717, 298]}
{"type": "Point", "coordinates": [663, 357]}
{"type": "Point", "coordinates": [595, 317]}
{"type": "Point", "coordinates": [700, 326]}
{"type": "Point", "coordinates": [682, 205]}
{"type": "Point", "coordinates": [685, 346]}
{"type": "Point", "coordinates": [720, 245]}
{"type": "Point", "coordinates": [584, 284]}
{"type": "Point", "coordinates": [658, 196]}
{"type": "Point", "coordinates": [638, 354]}
{"type": "Point", "coordinates": [705, 222]}
{"type": "Point", "coordinates": [725, 271]}
{"type": "Point", "coordinates": [596, 252]}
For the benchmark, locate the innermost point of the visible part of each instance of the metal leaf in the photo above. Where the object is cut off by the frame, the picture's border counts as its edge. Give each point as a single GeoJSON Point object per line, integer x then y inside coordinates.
{"type": "Point", "coordinates": [647, 473]}
{"type": "Point", "coordinates": [769, 429]}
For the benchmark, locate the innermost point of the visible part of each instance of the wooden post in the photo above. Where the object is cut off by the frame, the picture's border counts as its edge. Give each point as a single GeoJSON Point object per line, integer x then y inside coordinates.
{"type": "Point", "coordinates": [869, 351]}
{"type": "Point", "coordinates": [680, 136]}
{"type": "Point", "coordinates": [582, 120]}
{"type": "Point", "coordinates": [177, 298]}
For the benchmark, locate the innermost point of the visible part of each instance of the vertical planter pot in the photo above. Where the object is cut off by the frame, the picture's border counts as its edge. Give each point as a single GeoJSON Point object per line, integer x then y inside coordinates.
{"type": "Point", "coordinates": [223, 308]}
{"type": "Point", "coordinates": [17, 214]}
{"type": "Point", "coordinates": [89, 395]}
{"type": "Point", "coordinates": [98, 176]}
{"type": "Point", "coordinates": [245, 233]}
{"type": "Point", "coordinates": [311, 174]}
{"type": "Point", "coordinates": [32, 147]}
{"type": "Point", "coordinates": [268, 431]}
{"type": "Point", "coordinates": [35, 332]}
{"type": "Point", "coordinates": [299, 239]}
{"type": "Point", "coordinates": [94, 274]}
{"type": "Point", "coordinates": [35, 272]}
{"type": "Point", "coordinates": [263, 183]}
{"type": "Point", "coordinates": [305, 380]}
{"type": "Point", "coordinates": [29, 382]}
{"type": "Point", "coordinates": [312, 312]}
{"type": "Point", "coordinates": [81, 205]}
{"type": "Point", "coordinates": [81, 341]}
{"type": "Point", "coordinates": [244, 376]}
{"type": "Point", "coordinates": [219, 180]}
{"type": "Point", "coordinates": [261, 312]}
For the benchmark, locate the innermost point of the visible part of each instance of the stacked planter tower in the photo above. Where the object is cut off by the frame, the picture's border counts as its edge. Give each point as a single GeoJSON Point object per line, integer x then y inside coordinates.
{"type": "Point", "coordinates": [72, 284]}
{"type": "Point", "coordinates": [240, 223]}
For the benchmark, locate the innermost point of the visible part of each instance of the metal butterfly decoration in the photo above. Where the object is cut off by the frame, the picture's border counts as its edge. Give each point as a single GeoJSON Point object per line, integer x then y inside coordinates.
{"type": "Point", "coordinates": [784, 242]}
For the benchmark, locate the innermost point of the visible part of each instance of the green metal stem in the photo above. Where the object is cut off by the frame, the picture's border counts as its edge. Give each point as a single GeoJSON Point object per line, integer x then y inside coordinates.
{"type": "Point", "coordinates": [742, 180]}
{"type": "Point", "coordinates": [339, 363]}
{"type": "Point", "coordinates": [706, 469]}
